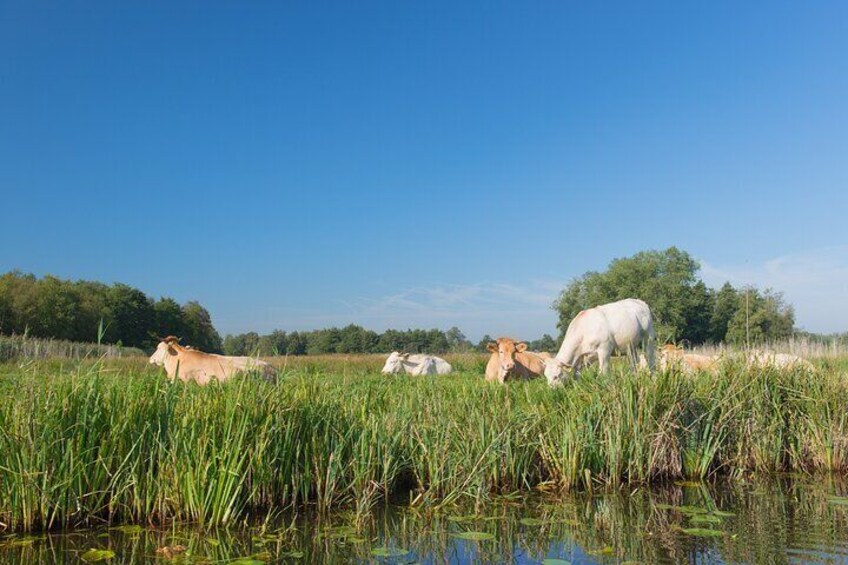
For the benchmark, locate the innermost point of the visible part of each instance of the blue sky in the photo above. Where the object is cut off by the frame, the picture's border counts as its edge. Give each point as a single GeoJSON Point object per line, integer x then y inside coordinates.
{"type": "Point", "coordinates": [297, 165]}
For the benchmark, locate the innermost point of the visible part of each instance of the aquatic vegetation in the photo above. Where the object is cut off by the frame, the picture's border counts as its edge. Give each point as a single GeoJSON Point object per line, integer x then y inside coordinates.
{"type": "Point", "coordinates": [115, 442]}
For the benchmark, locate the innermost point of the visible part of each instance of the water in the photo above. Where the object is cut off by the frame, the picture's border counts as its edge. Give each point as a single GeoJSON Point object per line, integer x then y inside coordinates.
{"type": "Point", "coordinates": [789, 520]}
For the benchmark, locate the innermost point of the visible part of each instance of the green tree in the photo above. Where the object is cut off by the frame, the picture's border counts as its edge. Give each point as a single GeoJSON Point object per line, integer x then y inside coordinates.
{"type": "Point", "coordinates": [484, 343]}
{"type": "Point", "coordinates": [457, 342]}
{"type": "Point", "coordinates": [546, 343]}
{"type": "Point", "coordinates": [725, 306]}
{"type": "Point", "coordinates": [275, 343]}
{"type": "Point", "coordinates": [199, 331]}
{"type": "Point", "coordinates": [131, 316]}
{"type": "Point", "coordinates": [767, 317]}
{"type": "Point", "coordinates": [666, 280]}
{"type": "Point", "coordinates": [296, 344]}
{"type": "Point", "coordinates": [93, 300]}
{"type": "Point", "coordinates": [234, 345]}
{"type": "Point", "coordinates": [169, 318]}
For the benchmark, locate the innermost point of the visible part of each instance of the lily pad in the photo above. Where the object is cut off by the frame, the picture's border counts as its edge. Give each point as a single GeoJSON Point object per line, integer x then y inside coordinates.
{"type": "Point", "coordinates": [21, 542]}
{"type": "Point", "coordinates": [388, 552]}
{"type": "Point", "coordinates": [531, 522]}
{"type": "Point", "coordinates": [95, 555]}
{"type": "Point", "coordinates": [128, 529]}
{"type": "Point", "coordinates": [705, 519]}
{"type": "Point", "coordinates": [682, 509]}
{"type": "Point", "coordinates": [340, 532]}
{"type": "Point", "coordinates": [474, 536]}
{"type": "Point", "coordinates": [703, 532]}
{"type": "Point", "coordinates": [461, 518]}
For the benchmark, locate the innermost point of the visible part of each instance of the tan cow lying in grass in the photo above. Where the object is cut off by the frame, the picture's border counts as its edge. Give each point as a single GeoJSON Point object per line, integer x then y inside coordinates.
{"type": "Point", "coordinates": [511, 360]}
{"type": "Point", "coordinates": [673, 356]}
{"type": "Point", "coordinates": [190, 364]}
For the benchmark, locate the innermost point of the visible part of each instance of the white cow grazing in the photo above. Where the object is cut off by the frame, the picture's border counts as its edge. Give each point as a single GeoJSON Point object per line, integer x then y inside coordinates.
{"type": "Point", "coordinates": [416, 364]}
{"type": "Point", "coordinates": [596, 333]}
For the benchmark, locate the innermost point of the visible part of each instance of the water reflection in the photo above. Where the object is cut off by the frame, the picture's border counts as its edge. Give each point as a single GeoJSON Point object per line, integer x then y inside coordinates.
{"type": "Point", "coordinates": [791, 520]}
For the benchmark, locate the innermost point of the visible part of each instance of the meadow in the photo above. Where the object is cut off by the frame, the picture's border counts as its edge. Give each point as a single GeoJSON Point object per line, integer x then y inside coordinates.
{"type": "Point", "coordinates": [93, 442]}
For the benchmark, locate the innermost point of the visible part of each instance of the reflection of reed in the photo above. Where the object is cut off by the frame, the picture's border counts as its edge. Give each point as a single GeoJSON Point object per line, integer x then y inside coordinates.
{"type": "Point", "coordinates": [762, 522]}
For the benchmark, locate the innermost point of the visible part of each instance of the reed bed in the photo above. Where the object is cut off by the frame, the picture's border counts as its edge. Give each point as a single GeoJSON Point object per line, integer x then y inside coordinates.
{"type": "Point", "coordinates": [25, 347]}
{"type": "Point", "coordinates": [90, 443]}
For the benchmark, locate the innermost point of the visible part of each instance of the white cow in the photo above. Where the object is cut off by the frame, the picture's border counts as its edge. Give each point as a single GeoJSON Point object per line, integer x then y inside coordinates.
{"type": "Point", "coordinates": [596, 333]}
{"type": "Point", "coordinates": [416, 364]}
{"type": "Point", "coordinates": [767, 359]}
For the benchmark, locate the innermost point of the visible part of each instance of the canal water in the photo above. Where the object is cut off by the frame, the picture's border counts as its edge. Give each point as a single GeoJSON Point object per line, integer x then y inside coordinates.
{"type": "Point", "coordinates": [784, 520]}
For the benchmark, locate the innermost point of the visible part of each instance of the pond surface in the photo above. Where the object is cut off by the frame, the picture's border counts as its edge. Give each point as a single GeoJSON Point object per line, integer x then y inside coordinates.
{"type": "Point", "coordinates": [787, 520]}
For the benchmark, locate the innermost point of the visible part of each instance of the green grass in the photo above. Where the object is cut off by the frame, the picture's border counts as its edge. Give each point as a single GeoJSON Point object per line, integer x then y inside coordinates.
{"type": "Point", "coordinates": [115, 441]}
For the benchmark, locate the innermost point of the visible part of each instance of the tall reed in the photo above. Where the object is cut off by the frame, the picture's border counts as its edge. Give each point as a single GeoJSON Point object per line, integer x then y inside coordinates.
{"type": "Point", "coordinates": [89, 443]}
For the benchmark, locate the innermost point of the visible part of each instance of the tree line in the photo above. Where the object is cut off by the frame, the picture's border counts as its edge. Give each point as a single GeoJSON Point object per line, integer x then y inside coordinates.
{"type": "Point", "coordinates": [684, 308]}
{"type": "Point", "coordinates": [349, 339]}
{"type": "Point", "coordinates": [88, 311]}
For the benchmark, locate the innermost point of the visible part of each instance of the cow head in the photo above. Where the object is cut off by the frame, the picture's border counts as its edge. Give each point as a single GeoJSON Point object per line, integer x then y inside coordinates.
{"type": "Point", "coordinates": [394, 364]}
{"type": "Point", "coordinates": [505, 348]}
{"type": "Point", "coordinates": [555, 371]}
{"type": "Point", "coordinates": [165, 348]}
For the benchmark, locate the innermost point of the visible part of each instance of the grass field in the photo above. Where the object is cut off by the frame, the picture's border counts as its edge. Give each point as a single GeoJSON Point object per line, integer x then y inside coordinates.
{"type": "Point", "coordinates": [83, 443]}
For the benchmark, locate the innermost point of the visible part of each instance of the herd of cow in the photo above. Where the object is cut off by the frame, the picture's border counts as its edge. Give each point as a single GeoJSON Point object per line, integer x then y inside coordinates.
{"type": "Point", "coordinates": [594, 335]}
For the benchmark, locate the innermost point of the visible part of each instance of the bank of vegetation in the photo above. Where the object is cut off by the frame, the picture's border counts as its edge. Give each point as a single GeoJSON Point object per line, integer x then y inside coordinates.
{"type": "Point", "coordinates": [110, 441]}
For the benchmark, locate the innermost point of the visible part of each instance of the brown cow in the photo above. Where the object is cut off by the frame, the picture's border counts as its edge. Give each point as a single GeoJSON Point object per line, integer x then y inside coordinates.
{"type": "Point", "coordinates": [191, 364]}
{"type": "Point", "coordinates": [673, 355]}
{"type": "Point", "coordinates": [511, 360]}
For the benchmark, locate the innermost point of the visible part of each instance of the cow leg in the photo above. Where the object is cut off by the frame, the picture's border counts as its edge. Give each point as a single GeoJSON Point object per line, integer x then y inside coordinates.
{"type": "Point", "coordinates": [650, 351]}
{"type": "Point", "coordinates": [604, 361]}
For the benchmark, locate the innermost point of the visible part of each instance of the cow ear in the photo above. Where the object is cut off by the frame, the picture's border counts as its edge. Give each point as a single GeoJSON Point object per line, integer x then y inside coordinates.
{"type": "Point", "coordinates": [521, 347]}
{"type": "Point", "coordinates": [492, 346]}
{"type": "Point", "coordinates": [404, 356]}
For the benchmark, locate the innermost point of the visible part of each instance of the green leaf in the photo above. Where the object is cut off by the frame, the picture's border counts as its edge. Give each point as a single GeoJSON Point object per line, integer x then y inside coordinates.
{"type": "Point", "coordinates": [531, 522]}
{"type": "Point", "coordinates": [701, 532]}
{"type": "Point", "coordinates": [128, 529]}
{"type": "Point", "coordinates": [94, 555]}
{"type": "Point", "coordinates": [388, 552]}
{"type": "Point", "coordinates": [555, 561]}
{"type": "Point", "coordinates": [722, 513]}
{"type": "Point", "coordinates": [607, 550]}
{"type": "Point", "coordinates": [461, 518]}
{"type": "Point", "coordinates": [474, 536]}
{"type": "Point", "coordinates": [682, 509]}
{"type": "Point", "coordinates": [296, 554]}
{"type": "Point", "coordinates": [838, 500]}
{"type": "Point", "coordinates": [705, 519]}
{"type": "Point", "coordinates": [246, 561]}
{"type": "Point", "coordinates": [688, 483]}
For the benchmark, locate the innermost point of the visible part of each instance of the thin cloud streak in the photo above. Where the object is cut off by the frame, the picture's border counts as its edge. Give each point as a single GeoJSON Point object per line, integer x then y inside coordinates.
{"type": "Point", "coordinates": [523, 311]}
{"type": "Point", "coordinates": [814, 281]}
